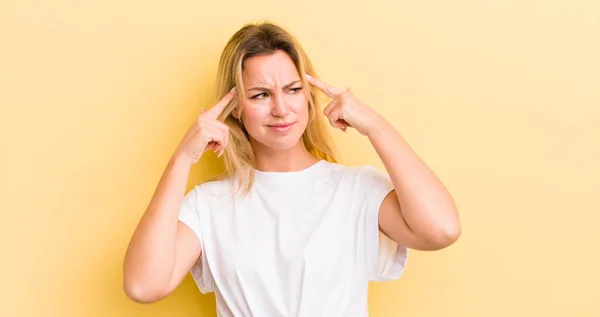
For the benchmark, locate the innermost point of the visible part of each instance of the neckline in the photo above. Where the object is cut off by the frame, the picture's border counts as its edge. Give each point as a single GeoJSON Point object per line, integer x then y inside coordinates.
{"type": "Point", "coordinates": [316, 169]}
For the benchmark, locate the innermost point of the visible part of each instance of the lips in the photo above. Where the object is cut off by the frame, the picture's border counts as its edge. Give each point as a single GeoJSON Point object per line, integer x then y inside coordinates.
{"type": "Point", "coordinates": [281, 127]}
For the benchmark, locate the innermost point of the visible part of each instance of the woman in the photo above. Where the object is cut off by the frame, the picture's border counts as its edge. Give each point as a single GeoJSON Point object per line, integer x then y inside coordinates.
{"type": "Point", "coordinates": [286, 231]}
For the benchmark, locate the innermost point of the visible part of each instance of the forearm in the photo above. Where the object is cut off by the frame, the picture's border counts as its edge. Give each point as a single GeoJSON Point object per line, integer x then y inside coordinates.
{"type": "Point", "coordinates": [150, 257]}
{"type": "Point", "coordinates": [426, 205]}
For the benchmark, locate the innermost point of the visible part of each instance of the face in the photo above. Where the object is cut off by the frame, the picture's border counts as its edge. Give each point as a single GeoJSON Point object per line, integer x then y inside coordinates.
{"type": "Point", "coordinates": [275, 109]}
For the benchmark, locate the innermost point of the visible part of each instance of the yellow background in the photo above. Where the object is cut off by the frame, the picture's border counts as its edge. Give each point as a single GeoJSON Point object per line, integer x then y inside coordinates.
{"type": "Point", "coordinates": [500, 98]}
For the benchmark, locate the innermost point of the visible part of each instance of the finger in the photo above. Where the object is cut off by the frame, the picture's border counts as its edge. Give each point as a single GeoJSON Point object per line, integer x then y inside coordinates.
{"type": "Point", "coordinates": [215, 146]}
{"type": "Point", "coordinates": [328, 90]}
{"type": "Point", "coordinates": [342, 125]}
{"type": "Point", "coordinates": [215, 124]}
{"type": "Point", "coordinates": [218, 108]}
{"type": "Point", "coordinates": [225, 143]}
{"type": "Point", "coordinates": [345, 124]}
{"type": "Point", "coordinates": [330, 107]}
{"type": "Point", "coordinates": [211, 128]}
{"type": "Point", "coordinates": [222, 126]}
{"type": "Point", "coordinates": [335, 120]}
{"type": "Point", "coordinates": [219, 137]}
{"type": "Point", "coordinates": [214, 137]}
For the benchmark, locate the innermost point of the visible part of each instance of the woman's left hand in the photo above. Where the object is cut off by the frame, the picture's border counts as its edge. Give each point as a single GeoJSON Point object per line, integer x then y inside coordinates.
{"type": "Point", "coordinates": [345, 110]}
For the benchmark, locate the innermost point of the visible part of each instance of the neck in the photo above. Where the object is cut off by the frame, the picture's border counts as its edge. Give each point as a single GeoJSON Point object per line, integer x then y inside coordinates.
{"type": "Point", "coordinates": [273, 160]}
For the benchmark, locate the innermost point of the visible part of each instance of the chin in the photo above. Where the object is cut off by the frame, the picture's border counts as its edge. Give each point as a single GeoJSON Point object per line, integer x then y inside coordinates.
{"type": "Point", "coordinates": [280, 141]}
{"type": "Point", "coordinates": [283, 146]}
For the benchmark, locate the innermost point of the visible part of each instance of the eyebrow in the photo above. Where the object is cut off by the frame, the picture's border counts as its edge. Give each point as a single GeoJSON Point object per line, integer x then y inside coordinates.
{"type": "Point", "coordinates": [267, 89]}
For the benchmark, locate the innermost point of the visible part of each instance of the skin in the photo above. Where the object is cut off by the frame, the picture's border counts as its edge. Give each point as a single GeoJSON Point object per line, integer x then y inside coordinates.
{"type": "Point", "coordinates": [275, 95]}
{"type": "Point", "coordinates": [419, 213]}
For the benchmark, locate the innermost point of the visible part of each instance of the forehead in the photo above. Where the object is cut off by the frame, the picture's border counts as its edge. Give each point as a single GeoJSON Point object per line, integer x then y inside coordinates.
{"type": "Point", "coordinates": [276, 68]}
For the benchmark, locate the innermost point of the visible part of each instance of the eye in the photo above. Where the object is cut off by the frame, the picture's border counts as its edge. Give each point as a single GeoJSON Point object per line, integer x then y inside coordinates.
{"type": "Point", "coordinates": [259, 96]}
{"type": "Point", "coordinates": [295, 90]}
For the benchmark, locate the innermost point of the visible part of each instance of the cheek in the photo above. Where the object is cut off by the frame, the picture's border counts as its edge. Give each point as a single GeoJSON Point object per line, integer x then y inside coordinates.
{"type": "Point", "coordinates": [254, 115]}
{"type": "Point", "coordinates": [299, 105]}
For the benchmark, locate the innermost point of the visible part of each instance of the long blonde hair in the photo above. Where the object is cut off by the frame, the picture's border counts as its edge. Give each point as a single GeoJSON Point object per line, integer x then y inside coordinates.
{"type": "Point", "coordinates": [256, 39]}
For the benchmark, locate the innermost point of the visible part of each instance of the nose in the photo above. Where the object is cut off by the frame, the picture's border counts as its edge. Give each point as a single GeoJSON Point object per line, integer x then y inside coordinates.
{"type": "Point", "coordinates": [279, 107]}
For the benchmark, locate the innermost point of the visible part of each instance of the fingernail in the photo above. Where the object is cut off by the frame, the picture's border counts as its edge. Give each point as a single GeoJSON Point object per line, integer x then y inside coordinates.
{"type": "Point", "coordinates": [220, 153]}
{"type": "Point", "coordinates": [232, 89]}
{"type": "Point", "coordinates": [309, 76]}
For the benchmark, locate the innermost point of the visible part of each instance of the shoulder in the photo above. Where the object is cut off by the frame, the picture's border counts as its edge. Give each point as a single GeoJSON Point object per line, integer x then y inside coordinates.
{"type": "Point", "coordinates": [213, 188]}
{"type": "Point", "coordinates": [358, 171]}
{"type": "Point", "coordinates": [360, 178]}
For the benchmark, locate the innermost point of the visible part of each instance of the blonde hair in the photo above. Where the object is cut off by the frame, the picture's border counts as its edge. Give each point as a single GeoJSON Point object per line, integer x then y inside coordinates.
{"type": "Point", "coordinates": [257, 39]}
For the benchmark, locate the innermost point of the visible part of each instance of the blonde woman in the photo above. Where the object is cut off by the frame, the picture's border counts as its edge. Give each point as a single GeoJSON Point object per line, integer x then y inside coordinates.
{"type": "Point", "coordinates": [286, 230]}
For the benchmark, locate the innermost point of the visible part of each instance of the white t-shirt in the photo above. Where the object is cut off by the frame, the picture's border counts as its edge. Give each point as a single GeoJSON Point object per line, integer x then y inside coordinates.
{"type": "Point", "coordinates": [302, 243]}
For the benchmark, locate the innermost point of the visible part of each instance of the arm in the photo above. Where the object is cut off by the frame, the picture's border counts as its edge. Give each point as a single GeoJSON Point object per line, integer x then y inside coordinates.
{"type": "Point", "coordinates": [420, 213]}
{"type": "Point", "coordinates": [162, 250]}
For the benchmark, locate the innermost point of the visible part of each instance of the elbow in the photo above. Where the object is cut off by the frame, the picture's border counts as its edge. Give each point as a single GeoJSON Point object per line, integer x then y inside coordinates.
{"type": "Point", "coordinates": [451, 234]}
{"type": "Point", "coordinates": [448, 235]}
{"type": "Point", "coordinates": [141, 293]}
{"type": "Point", "coordinates": [449, 230]}
{"type": "Point", "coordinates": [443, 237]}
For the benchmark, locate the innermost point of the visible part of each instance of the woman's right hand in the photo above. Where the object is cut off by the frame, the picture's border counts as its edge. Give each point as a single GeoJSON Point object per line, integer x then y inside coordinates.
{"type": "Point", "coordinates": [206, 133]}
{"type": "Point", "coordinates": [169, 253]}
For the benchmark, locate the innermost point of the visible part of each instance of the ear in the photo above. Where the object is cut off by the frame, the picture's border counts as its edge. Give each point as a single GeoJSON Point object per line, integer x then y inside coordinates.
{"type": "Point", "coordinates": [237, 113]}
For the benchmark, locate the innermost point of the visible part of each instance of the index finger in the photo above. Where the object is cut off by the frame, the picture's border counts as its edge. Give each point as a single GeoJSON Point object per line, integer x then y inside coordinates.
{"type": "Point", "coordinates": [328, 90]}
{"type": "Point", "coordinates": [218, 108]}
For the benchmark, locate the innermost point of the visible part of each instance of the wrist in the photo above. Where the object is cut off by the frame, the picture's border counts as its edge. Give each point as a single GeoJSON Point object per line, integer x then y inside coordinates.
{"type": "Point", "coordinates": [180, 161]}
{"type": "Point", "coordinates": [378, 128]}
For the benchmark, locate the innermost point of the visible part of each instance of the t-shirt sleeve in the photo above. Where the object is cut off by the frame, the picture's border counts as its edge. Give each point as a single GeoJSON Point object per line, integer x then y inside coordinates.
{"type": "Point", "coordinates": [189, 214]}
{"type": "Point", "coordinates": [386, 259]}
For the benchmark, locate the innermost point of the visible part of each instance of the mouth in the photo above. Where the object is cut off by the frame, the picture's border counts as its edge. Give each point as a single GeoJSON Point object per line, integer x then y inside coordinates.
{"type": "Point", "coordinates": [281, 127]}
